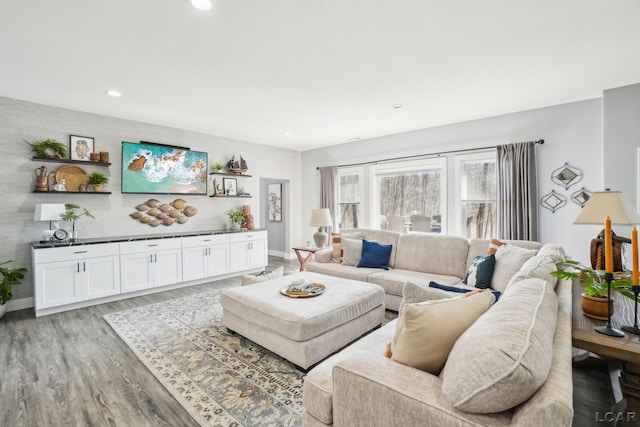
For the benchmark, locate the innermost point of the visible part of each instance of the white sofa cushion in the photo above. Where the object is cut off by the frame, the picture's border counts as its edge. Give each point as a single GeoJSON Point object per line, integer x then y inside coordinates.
{"type": "Point", "coordinates": [505, 356]}
{"type": "Point", "coordinates": [539, 266]}
{"type": "Point", "coordinates": [509, 259]}
{"type": "Point", "coordinates": [432, 253]}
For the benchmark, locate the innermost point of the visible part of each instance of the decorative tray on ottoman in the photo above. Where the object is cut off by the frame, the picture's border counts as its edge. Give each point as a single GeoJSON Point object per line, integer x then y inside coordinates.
{"type": "Point", "coordinates": [302, 290]}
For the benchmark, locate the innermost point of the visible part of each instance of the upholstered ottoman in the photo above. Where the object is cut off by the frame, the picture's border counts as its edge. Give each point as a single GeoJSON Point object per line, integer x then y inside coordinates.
{"type": "Point", "coordinates": [303, 330]}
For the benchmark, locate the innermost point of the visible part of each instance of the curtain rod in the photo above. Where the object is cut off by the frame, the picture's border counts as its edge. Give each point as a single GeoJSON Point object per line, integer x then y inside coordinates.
{"type": "Point", "coordinates": [374, 162]}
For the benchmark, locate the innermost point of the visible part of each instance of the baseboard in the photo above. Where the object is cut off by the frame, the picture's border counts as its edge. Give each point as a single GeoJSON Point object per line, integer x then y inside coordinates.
{"type": "Point", "coordinates": [19, 304]}
{"type": "Point", "coordinates": [284, 255]}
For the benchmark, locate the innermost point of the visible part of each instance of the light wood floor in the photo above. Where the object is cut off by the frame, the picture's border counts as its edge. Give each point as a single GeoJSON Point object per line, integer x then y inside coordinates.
{"type": "Point", "coordinates": [70, 369]}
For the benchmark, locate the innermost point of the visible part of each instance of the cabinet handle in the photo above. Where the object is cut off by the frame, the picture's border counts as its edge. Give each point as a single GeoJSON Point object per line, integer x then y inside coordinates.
{"type": "Point", "coordinates": [80, 252]}
{"type": "Point", "coordinates": [155, 244]}
{"type": "Point", "coordinates": [205, 251]}
{"type": "Point", "coordinates": [151, 258]}
{"type": "Point", "coordinates": [78, 265]}
{"type": "Point", "coordinates": [206, 240]}
{"type": "Point", "coordinates": [155, 257]}
{"type": "Point", "coordinates": [84, 266]}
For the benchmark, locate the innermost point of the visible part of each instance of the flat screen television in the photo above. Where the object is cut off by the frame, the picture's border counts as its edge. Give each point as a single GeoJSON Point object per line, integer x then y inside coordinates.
{"type": "Point", "coordinates": [163, 169]}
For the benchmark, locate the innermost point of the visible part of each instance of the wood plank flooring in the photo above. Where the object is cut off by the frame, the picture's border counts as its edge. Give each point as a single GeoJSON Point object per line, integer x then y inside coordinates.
{"type": "Point", "coordinates": [71, 369]}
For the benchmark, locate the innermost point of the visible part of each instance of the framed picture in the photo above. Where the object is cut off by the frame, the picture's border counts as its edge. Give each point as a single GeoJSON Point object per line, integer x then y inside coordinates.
{"type": "Point", "coordinates": [81, 147]}
{"type": "Point", "coordinates": [230, 186]}
{"type": "Point", "coordinates": [275, 202]}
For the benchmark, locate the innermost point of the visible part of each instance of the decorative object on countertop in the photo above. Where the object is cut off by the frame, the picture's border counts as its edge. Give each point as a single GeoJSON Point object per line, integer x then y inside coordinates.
{"type": "Point", "coordinates": [48, 149]}
{"type": "Point", "coordinates": [566, 175]}
{"type": "Point", "coordinates": [154, 212]}
{"type": "Point", "coordinates": [275, 202]}
{"type": "Point", "coordinates": [248, 217]}
{"type": "Point", "coordinates": [320, 218]}
{"type": "Point", "coordinates": [553, 201]}
{"type": "Point", "coordinates": [237, 167]}
{"type": "Point", "coordinates": [42, 179]}
{"type": "Point", "coordinates": [10, 277]}
{"type": "Point", "coordinates": [236, 218]}
{"type": "Point", "coordinates": [71, 215]}
{"type": "Point", "coordinates": [48, 212]}
{"type": "Point", "coordinates": [97, 180]}
{"type": "Point", "coordinates": [81, 147]}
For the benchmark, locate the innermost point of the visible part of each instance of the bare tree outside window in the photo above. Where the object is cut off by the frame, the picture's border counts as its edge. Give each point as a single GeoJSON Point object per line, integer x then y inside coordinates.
{"type": "Point", "coordinates": [349, 200]}
{"type": "Point", "coordinates": [478, 198]}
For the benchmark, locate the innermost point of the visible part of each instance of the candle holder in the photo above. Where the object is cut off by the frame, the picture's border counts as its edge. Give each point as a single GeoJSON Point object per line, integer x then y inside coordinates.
{"type": "Point", "coordinates": [634, 329]}
{"type": "Point", "coordinates": [608, 330]}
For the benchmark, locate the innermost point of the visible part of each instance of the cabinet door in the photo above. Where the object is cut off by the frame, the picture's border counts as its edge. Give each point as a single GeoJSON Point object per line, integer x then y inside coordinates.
{"type": "Point", "coordinates": [218, 262]}
{"type": "Point", "coordinates": [194, 263]}
{"type": "Point", "coordinates": [257, 254]}
{"type": "Point", "coordinates": [136, 271]}
{"type": "Point", "coordinates": [238, 256]}
{"type": "Point", "coordinates": [167, 267]}
{"type": "Point", "coordinates": [101, 277]}
{"type": "Point", "coordinates": [57, 283]}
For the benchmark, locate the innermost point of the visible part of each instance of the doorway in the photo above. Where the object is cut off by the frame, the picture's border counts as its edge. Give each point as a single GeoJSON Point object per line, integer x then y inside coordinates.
{"type": "Point", "coordinates": [274, 208]}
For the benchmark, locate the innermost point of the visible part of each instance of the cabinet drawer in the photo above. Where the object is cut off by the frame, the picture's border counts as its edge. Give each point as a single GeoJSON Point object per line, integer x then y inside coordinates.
{"type": "Point", "coordinates": [248, 236]}
{"type": "Point", "coordinates": [150, 245]}
{"type": "Point", "coordinates": [70, 253]}
{"type": "Point", "coordinates": [206, 240]}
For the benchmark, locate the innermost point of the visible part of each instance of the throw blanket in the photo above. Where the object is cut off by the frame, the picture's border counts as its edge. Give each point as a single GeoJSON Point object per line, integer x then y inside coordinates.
{"type": "Point", "coordinates": [459, 290]}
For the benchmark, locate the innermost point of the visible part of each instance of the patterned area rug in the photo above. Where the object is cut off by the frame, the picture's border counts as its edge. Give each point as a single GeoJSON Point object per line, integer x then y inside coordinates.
{"type": "Point", "coordinates": [219, 378]}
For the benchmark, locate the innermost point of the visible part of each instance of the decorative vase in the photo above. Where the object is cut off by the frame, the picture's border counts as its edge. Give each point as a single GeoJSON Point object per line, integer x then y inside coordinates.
{"type": "Point", "coordinates": [97, 188]}
{"type": "Point", "coordinates": [73, 236]}
{"type": "Point", "coordinates": [235, 226]}
{"type": "Point", "coordinates": [595, 307]}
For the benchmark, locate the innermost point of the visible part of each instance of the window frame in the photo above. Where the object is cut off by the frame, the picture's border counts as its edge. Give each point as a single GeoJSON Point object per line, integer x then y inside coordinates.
{"type": "Point", "coordinates": [353, 170]}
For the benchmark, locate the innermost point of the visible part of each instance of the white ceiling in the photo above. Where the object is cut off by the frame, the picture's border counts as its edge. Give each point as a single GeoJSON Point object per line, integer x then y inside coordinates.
{"type": "Point", "coordinates": [325, 71]}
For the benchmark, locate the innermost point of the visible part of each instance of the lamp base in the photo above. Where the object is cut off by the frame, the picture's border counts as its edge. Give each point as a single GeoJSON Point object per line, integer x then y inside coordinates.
{"type": "Point", "coordinates": [320, 238]}
{"type": "Point", "coordinates": [608, 330]}
{"type": "Point", "coordinates": [632, 329]}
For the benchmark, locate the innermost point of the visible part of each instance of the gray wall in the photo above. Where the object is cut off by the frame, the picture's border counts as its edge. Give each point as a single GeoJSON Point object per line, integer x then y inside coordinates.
{"type": "Point", "coordinates": [573, 133]}
{"type": "Point", "coordinates": [27, 121]}
{"type": "Point", "coordinates": [278, 243]}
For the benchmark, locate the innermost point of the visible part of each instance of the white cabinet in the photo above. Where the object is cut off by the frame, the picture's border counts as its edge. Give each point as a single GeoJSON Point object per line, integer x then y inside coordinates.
{"type": "Point", "coordinates": [247, 251]}
{"type": "Point", "coordinates": [150, 263]}
{"type": "Point", "coordinates": [76, 273]}
{"type": "Point", "coordinates": [205, 256]}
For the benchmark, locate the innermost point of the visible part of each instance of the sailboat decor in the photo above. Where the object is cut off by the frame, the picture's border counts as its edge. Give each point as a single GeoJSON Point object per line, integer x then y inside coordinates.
{"type": "Point", "coordinates": [237, 167]}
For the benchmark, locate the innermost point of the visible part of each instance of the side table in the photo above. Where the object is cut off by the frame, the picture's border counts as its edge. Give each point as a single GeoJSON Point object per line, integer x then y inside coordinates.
{"type": "Point", "coordinates": [306, 260]}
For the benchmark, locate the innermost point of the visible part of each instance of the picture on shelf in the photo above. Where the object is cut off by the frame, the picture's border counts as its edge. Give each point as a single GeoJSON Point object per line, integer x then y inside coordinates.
{"type": "Point", "coordinates": [81, 147]}
{"type": "Point", "coordinates": [230, 186]}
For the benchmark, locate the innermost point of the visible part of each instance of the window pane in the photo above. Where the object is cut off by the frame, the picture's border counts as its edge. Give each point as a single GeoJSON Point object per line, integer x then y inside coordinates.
{"type": "Point", "coordinates": [478, 198]}
{"type": "Point", "coordinates": [349, 200]}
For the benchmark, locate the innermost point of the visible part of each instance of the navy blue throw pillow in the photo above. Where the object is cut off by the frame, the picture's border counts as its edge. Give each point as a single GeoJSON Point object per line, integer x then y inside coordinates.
{"type": "Point", "coordinates": [459, 290]}
{"type": "Point", "coordinates": [480, 271]}
{"type": "Point", "coordinates": [375, 255]}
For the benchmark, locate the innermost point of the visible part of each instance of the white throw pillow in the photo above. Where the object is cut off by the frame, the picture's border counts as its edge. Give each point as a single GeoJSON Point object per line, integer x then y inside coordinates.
{"type": "Point", "coordinates": [249, 279]}
{"type": "Point", "coordinates": [509, 259]}
{"type": "Point", "coordinates": [337, 252]}
{"type": "Point", "coordinates": [540, 267]}
{"type": "Point", "coordinates": [352, 249]}
{"type": "Point", "coordinates": [422, 340]}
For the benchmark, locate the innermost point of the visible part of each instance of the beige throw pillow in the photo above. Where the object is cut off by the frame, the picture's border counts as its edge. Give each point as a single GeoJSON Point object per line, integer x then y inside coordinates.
{"type": "Point", "coordinates": [505, 356]}
{"type": "Point", "coordinates": [337, 251]}
{"type": "Point", "coordinates": [423, 337]}
{"type": "Point", "coordinates": [509, 259]}
{"type": "Point", "coordinates": [249, 279]}
{"type": "Point", "coordinates": [412, 293]}
{"type": "Point", "coordinates": [352, 249]}
{"type": "Point", "coordinates": [539, 266]}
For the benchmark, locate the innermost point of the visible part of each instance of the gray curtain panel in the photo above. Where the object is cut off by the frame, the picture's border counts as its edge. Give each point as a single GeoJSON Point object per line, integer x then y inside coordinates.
{"type": "Point", "coordinates": [329, 194]}
{"type": "Point", "coordinates": [517, 191]}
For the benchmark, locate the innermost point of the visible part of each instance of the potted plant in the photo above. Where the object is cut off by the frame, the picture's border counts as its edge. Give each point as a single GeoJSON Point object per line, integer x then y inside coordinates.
{"type": "Point", "coordinates": [48, 149]}
{"type": "Point", "coordinates": [10, 277]}
{"type": "Point", "coordinates": [236, 218]}
{"type": "Point", "coordinates": [71, 215]}
{"type": "Point", "coordinates": [594, 297]}
{"type": "Point", "coordinates": [218, 167]}
{"type": "Point", "coordinates": [97, 180]}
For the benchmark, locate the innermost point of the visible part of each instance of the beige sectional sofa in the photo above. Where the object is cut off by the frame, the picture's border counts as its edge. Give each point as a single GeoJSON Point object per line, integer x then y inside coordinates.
{"type": "Point", "coordinates": [417, 257]}
{"type": "Point", "coordinates": [521, 344]}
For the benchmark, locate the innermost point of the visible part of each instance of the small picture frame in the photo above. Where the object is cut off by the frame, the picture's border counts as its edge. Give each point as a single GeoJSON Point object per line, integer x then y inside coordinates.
{"type": "Point", "coordinates": [230, 186]}
{"type": "Point", "coordinates": [81, 147]}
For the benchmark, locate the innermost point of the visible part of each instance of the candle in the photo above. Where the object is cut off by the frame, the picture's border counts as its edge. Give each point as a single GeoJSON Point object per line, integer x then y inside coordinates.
{"type": "Point", "coordinates": [608, 249]}
{"type": "Point", "coordinates": [634, 247]}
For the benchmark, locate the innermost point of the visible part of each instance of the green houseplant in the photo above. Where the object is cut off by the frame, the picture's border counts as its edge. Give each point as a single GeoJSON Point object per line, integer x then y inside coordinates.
{"type": "Point", "coordinates": [10, 277]}
{"type": "Point", "coordinates": [236, 218]}
{"type": "Point", "coordinates": [97, 180]}
{"type": "Point", "coordinates": [218, 167]}
{"type": "Point", "coordinates": [49, 149]}
{"type": "Point", "coordinates": [594, 297]}
{"type": "Point", "coordinates": [71, 215]}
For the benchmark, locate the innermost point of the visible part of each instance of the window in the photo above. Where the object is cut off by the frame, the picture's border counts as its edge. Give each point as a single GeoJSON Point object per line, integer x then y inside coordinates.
{"type": "Point", "coordinates": [409, 196]}
{"type": "Point", "coordinates": [350, 198]}
{"type": "Point", "coordinates": [476, 189]}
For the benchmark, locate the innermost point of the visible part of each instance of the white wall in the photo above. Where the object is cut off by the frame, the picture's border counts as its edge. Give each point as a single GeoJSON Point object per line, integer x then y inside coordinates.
{"type": "Point", "coordinates": [572, 133]}
{"type": "Point", "coordinates": [21, 120]}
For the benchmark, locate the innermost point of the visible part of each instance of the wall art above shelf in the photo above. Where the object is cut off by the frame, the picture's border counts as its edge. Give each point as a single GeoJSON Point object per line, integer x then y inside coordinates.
{"type": "Point", "coordinates": [72, 192]}
{"type": "Point", "coordinates": [69, 161]}
{"type": "Point", "coordinates": [235, 175]}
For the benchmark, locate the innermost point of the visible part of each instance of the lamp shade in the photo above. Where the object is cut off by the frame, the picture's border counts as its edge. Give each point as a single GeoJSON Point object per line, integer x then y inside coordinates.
{"type": "Point", "coordinates": [608, 203]}
{"type": "Point", "coordinates": [320, 218]}
{"type": "Point", "coordinates": [48, 212]}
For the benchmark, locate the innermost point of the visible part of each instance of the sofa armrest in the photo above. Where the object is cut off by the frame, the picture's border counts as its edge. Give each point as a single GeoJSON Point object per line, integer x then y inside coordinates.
{"type": "Point", "coordinates": [323, 255]}
{"type": "Point", "coordinates": [379, 391]}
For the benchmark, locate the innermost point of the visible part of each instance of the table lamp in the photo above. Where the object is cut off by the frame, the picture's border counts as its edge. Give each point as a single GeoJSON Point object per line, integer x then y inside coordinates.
{"type": "Point", "coordinates": [320, 218]}
{"type": "Point", "coordinates": [608, 207]}
{"type": "Point", "coordinates": [48, 212]}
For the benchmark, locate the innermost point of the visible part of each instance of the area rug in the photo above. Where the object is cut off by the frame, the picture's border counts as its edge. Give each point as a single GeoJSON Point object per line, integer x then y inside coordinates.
{"type": "Point", "coordinates": [220, 378]}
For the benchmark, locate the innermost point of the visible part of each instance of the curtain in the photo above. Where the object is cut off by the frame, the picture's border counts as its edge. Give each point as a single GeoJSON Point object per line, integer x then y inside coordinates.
{"type": "Point", "coordinates": [329, 194]}
{"type": "Point", "coordinates": [517, 191]}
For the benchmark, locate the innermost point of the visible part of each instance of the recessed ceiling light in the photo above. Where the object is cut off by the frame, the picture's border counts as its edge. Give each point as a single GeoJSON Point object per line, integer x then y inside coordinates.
{"type": "Point", "coordinates": [201, 4]}
{"type": "Point", "coordinates": [114, 93]}
{"type": "Point", "coordinates": [396, 106]}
